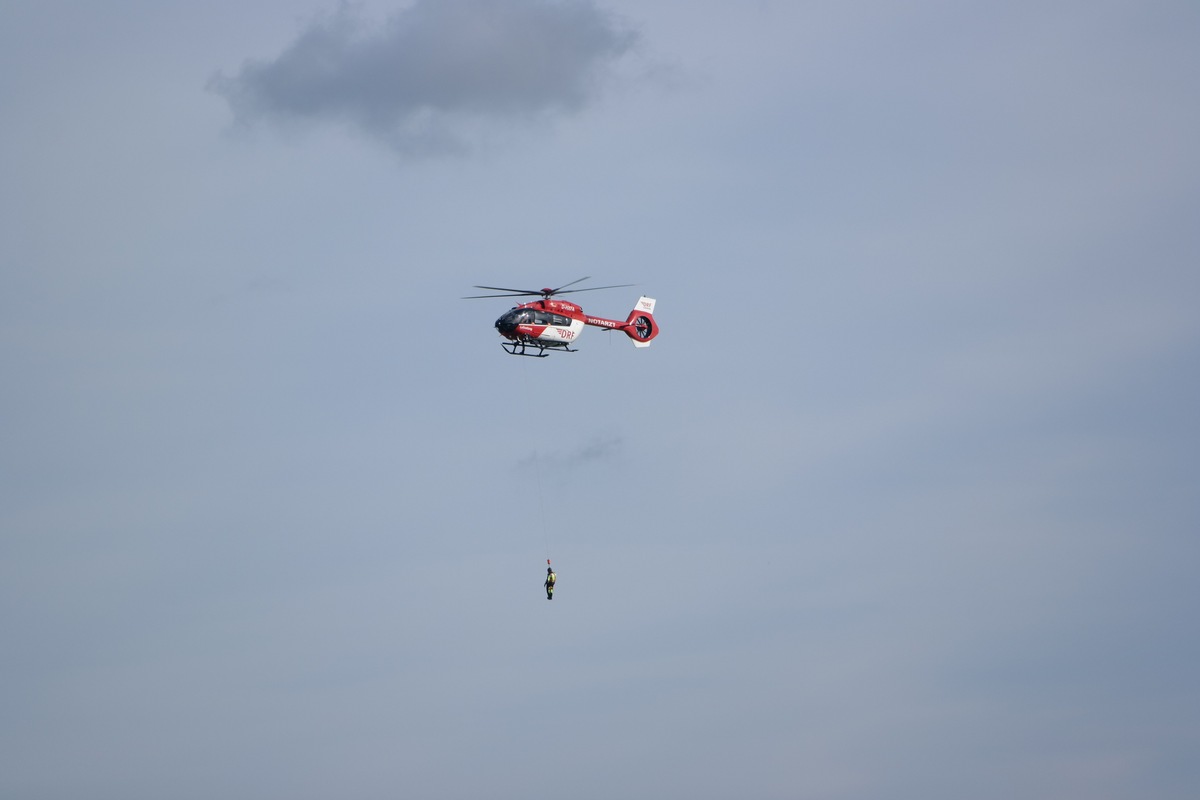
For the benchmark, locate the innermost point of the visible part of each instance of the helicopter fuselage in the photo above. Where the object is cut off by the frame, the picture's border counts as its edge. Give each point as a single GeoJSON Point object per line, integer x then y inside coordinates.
{"type": "Point", "coordinates": [549, 323]}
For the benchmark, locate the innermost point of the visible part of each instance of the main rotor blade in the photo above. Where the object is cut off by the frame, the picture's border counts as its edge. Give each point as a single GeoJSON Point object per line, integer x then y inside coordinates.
{"type": "Point", "coordinates": [572, 283]}
{"type": "Point", "coordinates": [595, 288]}
{"type": "Point", "coordinates": [506, 289]}
{"type": "Point", "coordinates": [509, 292]}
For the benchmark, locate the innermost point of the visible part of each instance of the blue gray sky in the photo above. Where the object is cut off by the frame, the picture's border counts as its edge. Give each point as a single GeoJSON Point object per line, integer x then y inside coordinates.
{"type": "Point", "coordinates": [901, 503]}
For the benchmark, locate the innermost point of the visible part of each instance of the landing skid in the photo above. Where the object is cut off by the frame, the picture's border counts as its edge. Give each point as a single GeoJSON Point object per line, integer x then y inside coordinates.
{"type": "Point", "coordinates": [519, 348]}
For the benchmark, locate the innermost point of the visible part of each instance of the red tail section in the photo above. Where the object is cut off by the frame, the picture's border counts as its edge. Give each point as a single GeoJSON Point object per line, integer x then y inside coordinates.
{"type": "Point", "coordinates": [640, 325]}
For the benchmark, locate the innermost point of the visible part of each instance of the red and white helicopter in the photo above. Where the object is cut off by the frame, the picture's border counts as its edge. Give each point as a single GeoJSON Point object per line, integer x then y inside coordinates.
{"type": "Point", "coordinates": [546, 325]}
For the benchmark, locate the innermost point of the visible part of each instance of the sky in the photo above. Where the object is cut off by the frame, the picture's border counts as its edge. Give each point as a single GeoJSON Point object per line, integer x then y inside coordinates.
{"type": "Point", "coordinates": [902, 502]}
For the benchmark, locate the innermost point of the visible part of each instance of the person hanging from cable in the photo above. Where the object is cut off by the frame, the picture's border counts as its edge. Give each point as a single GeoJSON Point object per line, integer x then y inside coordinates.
{"type": "Point", "coordinates": [550, 578]}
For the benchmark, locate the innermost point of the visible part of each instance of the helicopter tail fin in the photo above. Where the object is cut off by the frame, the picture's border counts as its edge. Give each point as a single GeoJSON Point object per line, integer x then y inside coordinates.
{"type": "Point", "coordinates": [640, 325]}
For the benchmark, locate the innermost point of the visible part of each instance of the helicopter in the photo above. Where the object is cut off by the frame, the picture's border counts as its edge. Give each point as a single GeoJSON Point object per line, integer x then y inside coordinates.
{"type": "Point", "coordinates": [540, 327]}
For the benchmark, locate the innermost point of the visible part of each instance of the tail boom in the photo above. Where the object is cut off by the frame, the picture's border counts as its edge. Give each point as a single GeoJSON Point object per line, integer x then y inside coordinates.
{"type": "Point", "coordinates": [640, 325]}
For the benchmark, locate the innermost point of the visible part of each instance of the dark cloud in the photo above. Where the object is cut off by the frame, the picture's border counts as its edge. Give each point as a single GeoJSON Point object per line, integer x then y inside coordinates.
{"type": "Point", "coordinates": [420, 79]}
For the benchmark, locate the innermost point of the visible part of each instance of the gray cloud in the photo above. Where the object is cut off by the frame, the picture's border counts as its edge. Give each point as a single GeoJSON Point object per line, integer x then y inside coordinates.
{"type": "Point", "coordinates": [422, 78]}
{"type": "Point", "coordinates": [598, 449]}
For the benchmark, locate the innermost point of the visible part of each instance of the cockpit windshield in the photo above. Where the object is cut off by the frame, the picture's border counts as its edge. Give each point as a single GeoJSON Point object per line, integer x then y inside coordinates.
{"type": "Point", "coordinates": [529, 316]}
